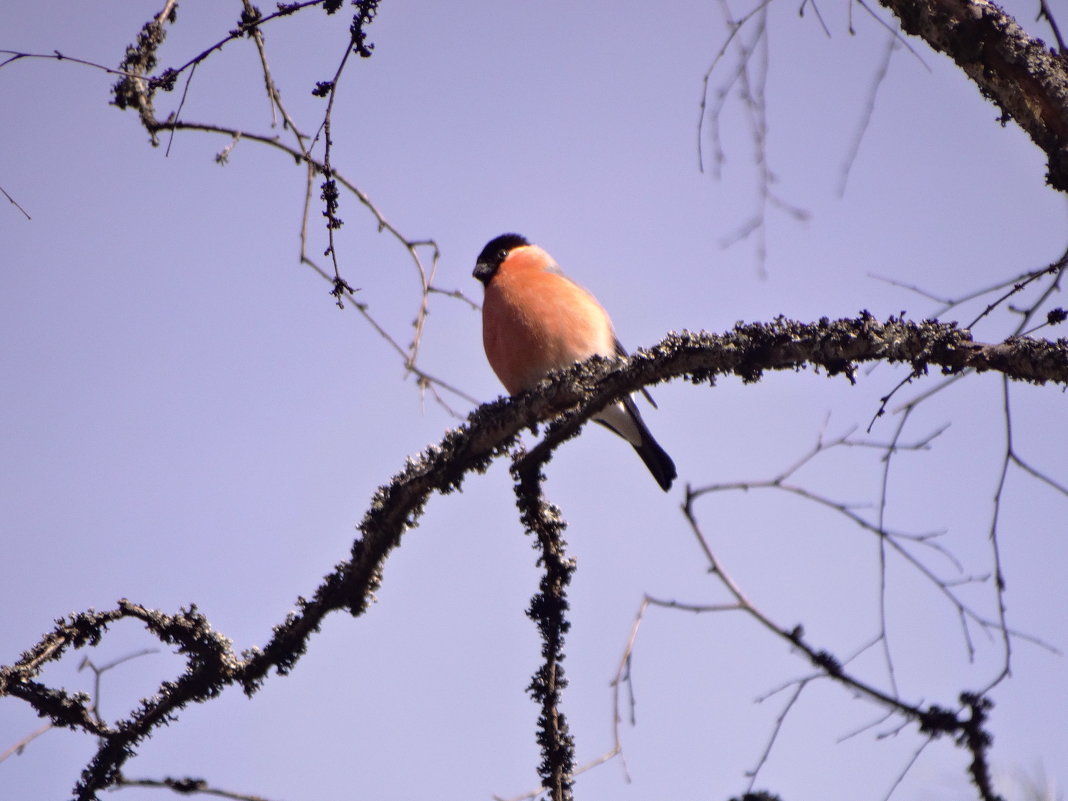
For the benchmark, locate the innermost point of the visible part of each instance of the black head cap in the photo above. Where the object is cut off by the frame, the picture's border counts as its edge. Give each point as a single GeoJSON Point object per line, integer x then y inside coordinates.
{"type": "Point", "coordinates": [494, 253]}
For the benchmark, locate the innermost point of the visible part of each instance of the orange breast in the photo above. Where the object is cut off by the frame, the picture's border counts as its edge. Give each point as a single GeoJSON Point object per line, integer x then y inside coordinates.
{"type": "Point", "coordinates": [535, 321]}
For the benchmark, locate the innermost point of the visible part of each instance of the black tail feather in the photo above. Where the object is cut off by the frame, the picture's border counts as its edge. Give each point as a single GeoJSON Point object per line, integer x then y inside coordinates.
{"type": "Point", "coordinates": [627, 417]}
{"type": "Point", "coordinates": [657, 460]}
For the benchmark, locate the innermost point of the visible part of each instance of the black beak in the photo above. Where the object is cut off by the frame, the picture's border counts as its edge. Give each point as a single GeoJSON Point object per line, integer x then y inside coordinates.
{"type": "Point", "coordinates": [484, 272]}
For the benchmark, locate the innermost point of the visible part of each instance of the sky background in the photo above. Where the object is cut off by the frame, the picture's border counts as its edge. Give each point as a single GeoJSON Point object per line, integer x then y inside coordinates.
{"type": "Point", "coordinates": [187, 417]}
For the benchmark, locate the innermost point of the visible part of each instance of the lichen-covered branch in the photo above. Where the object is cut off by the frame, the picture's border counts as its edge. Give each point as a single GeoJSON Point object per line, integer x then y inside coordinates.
{"type": "Point", "coordinates": [1027, 80]}
{"type": "Point", "coordinates": [548, 609]}
{"type": "Point", "coordinates": [747, 351]}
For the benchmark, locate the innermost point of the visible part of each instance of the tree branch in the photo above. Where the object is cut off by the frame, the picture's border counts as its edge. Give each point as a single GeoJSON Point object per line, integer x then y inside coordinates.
{"type": "Point", "coordinates": [548, 610]}
{"type": "Point", "coordinates": [576, 394]}
{"type": "Point", "coordinates": [1019, 73]}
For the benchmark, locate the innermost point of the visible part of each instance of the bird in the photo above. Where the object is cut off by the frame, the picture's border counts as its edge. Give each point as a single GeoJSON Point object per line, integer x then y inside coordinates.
{"type": "Point", "coordinates": [535, 320]}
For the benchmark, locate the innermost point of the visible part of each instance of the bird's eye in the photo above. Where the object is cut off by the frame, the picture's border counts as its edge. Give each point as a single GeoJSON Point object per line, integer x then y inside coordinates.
{"type": "Point", "coordinates": [502, 254]}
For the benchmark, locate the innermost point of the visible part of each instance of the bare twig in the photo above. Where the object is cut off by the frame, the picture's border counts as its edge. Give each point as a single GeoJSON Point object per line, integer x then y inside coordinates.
{"type": "Point", "coordinates": [20, 746]}
{"type": "Point", "coordinates": [1046, 14]}
{"type": "Point", "coordinates": [869, 110]}
{"type": "Point", "coordinates": [733, 27]}
{"type": "Point", "coordinates": [969, 732]}
{"type": "Point", "coordinates": [15, 203]}
{"type": "Point", "coordinates": [187, 786]}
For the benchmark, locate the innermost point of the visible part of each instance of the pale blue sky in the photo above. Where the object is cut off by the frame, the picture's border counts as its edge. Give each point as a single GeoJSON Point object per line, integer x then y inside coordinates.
{"type": "Point", "coordinates": [186, 417]}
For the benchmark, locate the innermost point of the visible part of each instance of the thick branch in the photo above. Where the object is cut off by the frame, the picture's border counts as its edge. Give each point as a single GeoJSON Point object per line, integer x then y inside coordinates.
{"type": "Point", "coordinates": [748, 350]}
{"type": "Point", "coordinates": [1027, 80]}
{"type": "Point", "coordinates": [548, 609]}
{"type": "Point", "coordinates": [841, 345]}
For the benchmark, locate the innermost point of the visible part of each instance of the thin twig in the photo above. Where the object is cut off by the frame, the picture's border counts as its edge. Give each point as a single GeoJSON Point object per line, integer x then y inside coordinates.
{"type": "Point", "coordinates": [15, 203]}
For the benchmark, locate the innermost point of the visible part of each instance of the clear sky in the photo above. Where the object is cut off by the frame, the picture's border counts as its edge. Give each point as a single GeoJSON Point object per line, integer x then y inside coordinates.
{"type": "Point", "coordinates": [185, 416]}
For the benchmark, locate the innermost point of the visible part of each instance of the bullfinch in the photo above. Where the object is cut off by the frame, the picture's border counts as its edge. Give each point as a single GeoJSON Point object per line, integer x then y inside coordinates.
{"type": "Point", "coordinates": [535, 319]}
